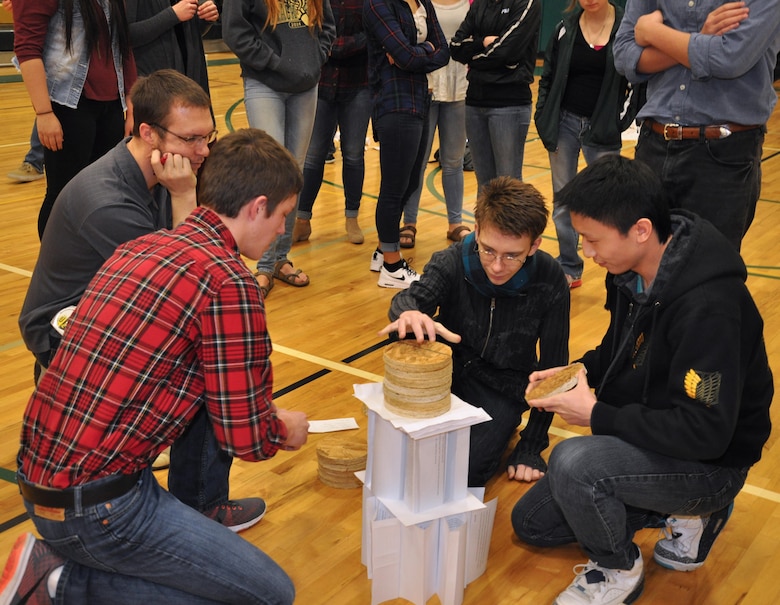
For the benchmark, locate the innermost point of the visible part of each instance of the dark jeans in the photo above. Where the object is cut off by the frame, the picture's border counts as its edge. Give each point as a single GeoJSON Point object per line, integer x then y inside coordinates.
{"type": "Point", "coordinates": [599, 490]}
{"type": "Point", "coordinates": [350, 115]}
{"type": "Point", "coordinates": [718, 179]}
{"type": "Point", "coordinates": [89, 131]}
{"type": "Point", "coordinates": [402, 139]}
{"type": "Point", "coordinates": [199, 474]}
{"type": "Point", "coordinates": [489, 440]}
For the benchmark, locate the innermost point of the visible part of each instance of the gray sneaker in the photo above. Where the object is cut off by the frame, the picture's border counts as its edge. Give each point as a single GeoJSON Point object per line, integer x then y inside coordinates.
{"type": "Point", "coordinates": [689, 539]}
{"type": "Point", "coordinates": [26, 173]}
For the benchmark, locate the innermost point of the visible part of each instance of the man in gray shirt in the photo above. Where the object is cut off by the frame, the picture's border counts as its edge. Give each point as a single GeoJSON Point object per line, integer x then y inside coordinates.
{"type": "Point", "coordinates": [709, 71]}
{"type": "Point", "coordinates": [147, 182]}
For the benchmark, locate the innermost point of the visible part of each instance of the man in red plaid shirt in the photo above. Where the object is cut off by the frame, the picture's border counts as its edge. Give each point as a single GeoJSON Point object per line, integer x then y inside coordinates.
{"type": "Point", "coordinates": [172, 323]}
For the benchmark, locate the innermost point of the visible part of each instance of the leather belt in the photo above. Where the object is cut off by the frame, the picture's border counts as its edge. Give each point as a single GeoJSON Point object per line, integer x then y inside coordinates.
{"type": "Point", "coordinates": [103, 491]}
{"type": "Point", "coordinates": [676, 132]}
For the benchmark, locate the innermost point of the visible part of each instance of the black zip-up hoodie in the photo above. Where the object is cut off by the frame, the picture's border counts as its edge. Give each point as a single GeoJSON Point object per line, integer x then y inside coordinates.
{"type": "Point", "coordinates": [683, 369]}
{"type": "Point", "coordinates": [500, 74]}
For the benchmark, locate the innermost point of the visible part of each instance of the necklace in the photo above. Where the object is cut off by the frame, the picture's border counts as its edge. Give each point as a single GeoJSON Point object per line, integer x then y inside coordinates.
{"type": "Point", "coordinates": [598, 34]}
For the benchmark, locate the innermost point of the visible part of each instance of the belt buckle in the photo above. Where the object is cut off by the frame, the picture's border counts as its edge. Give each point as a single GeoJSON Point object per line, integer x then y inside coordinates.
{"type": "Point", "coordinates": [678, 134]}
{"type": "Point", "coordinates": [725, 131]}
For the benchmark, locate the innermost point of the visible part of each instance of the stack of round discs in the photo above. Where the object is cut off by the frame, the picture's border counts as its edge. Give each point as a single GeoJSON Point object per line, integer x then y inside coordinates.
{"type": "Point", "coordinates": [418, 377]}
{"type": "Point", "coordinates": [338, 460]}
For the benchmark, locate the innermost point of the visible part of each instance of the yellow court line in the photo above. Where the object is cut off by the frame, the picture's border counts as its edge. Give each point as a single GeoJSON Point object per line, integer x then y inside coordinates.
{"type": "Point", "coordinates": [16, 270]}
{"type": "Point", "coordinates": [327, 363]}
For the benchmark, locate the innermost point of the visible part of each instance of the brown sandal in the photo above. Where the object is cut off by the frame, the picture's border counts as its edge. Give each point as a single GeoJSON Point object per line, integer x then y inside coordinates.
{"type": "Point", "coordinates": [410, 233]}
{"type": "Point", "coordinates": [289, 278]}
{"type": "Point", "coordinates": [265, 289]}
{"type": "Point", "coordinates": [455, 234]}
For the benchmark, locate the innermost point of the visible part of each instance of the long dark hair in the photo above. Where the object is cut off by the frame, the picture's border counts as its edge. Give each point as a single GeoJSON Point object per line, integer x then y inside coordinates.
{"type": "Point", "coordinates": [91, 13]}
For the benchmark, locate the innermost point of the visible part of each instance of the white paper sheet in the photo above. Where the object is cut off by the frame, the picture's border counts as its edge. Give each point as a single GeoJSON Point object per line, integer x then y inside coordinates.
{"type": "Point", "coordinates": [332, 425]}
{"type": "Point", "coordinates": [461, 414]}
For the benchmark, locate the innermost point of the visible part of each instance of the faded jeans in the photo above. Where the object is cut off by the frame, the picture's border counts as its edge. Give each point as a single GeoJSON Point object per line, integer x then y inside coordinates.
{"type": "Point", "coordinates": [599, 490]}
{"type": "Point", "coordinates": [288, 118]}
{"type": "Point", "coordinates": [563, 165]}
{"type": "Point", "coordinates": [497, 140]}
{"type": "Point", "coordinates": [450, 118]}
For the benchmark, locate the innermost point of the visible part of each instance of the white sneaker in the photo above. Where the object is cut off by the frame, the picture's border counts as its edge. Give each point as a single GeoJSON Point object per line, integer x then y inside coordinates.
{"type": "Point", "coordinates": [377, 260]}
{"type": "Point", "coordinates": [596, 585]}
{"type": "Point", "coordinates": [400, 278]}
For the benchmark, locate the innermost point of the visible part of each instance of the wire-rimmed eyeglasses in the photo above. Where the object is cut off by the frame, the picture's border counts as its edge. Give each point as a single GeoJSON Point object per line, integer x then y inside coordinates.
{"type": "Point", "coordinates": [193, 141]}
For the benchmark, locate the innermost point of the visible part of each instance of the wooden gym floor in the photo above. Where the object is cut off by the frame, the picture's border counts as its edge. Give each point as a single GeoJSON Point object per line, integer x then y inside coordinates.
{"type": "Point", "coordinates": [325, 340]}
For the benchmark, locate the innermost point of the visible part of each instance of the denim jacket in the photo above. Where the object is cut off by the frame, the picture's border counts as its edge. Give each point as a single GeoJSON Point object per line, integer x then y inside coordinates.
{"type": "Point", "coordinates": [66, 72]}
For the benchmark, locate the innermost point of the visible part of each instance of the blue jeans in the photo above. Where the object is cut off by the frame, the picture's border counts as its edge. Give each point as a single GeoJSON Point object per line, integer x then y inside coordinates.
{"type": "Point", "coordinates": [563, 165]}
{"type": "Point", "coordinates": [147, 547]}
{"type": "Point", "coordinates": [497, 140]}
{"type": "Point", "coordinates": [489, 440]}
{"type": "Point", "coordinates": [402, 139]}
{"type": "Point", "coordinates": [599, 490]}
{"type": "Point", "coordinates": [719, 179]}
{"type": "Point", "coordinates": [288, 118]}
{"type": "Point", "coordinates": [451, 120]}
{"type": "Point", "coordinates": [34, 155]}
{"type": "Point", "coordinates": [351, 115]}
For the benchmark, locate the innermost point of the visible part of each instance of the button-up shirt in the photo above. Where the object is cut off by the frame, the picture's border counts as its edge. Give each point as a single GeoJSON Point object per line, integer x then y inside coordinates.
{"type": "Point", "coordinates": [172, 322]}
{"type": "Point", "coordinates": [730, 78]}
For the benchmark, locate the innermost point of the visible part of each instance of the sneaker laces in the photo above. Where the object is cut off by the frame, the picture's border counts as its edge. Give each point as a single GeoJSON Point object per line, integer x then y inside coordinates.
{"type": "Point", "coordinates": [597, 579]}
{"type": "Point", "coordinates": [682, 536]}
{"type": "Point", "coordinates": [407, 267]}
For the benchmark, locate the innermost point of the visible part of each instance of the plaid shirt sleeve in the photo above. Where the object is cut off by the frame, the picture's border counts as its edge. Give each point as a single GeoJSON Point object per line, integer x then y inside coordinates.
{"type": "Point", "coordinates": [235, 356]}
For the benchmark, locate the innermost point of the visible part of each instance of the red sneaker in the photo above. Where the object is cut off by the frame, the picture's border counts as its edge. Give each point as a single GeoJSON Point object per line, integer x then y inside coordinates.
{"type": "Point", "coordinates": [238, 515]}
{"type": "Point", "coordinates": [26, 572]}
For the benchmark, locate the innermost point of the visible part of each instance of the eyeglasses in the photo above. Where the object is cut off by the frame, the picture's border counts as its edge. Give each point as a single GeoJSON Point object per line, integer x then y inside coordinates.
{"type": "Point", "coordinates": [193, 141]}
{"type": "Point", "coordinates": [490, 256]}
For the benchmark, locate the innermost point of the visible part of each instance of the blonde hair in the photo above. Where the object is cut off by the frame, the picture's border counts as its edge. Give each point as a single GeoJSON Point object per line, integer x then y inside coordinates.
{"type": "Point", "coordinates": [314, 11]}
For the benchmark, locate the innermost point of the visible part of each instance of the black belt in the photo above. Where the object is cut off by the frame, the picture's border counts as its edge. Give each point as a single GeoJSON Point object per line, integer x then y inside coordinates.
{"type": "Point", "coordinates": [676, 132]}
{"type": "Point", "coordinates": [103, 491]}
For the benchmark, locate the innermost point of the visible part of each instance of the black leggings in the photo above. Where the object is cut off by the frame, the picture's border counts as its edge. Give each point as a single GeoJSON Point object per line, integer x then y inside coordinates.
{"type": "Point", "coordinates": [89, 131]}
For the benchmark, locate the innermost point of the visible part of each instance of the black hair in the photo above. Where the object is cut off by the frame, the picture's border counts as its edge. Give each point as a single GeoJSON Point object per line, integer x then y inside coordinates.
{"type": "Point", "coordinates": [92, 15]}
{"type": "Point", "coordinates": [617, 192]}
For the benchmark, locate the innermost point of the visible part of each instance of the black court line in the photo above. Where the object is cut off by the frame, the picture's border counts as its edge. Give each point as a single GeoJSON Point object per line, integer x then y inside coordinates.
{"type": "Point", "coordinates": [319, 374]}
{"type": "Point", "coordinates": [11, 523]}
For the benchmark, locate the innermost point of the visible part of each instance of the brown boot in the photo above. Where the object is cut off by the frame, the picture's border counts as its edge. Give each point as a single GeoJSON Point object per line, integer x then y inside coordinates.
{"type": "Point", "coordinates": [354, 233]}
{"type": "Point", "coordinates": [301, 230]}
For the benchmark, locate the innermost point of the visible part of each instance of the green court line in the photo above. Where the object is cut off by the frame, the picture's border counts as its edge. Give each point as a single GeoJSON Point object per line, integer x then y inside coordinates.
{"type": "Point", "coordinates": [6, 475]}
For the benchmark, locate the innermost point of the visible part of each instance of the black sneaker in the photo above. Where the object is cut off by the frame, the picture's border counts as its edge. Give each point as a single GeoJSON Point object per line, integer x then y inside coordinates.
{"type": "Point", "coordinates": [689, 539]}
{"type": "Point", "coordinates": [238, 515]}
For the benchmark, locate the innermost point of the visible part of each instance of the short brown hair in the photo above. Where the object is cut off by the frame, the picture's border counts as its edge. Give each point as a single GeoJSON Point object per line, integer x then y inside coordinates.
{"type": "Point", "coordinates": [243, 165]}
{"type": "Point", "coordinates": [154, 96]}
{"type": "Point", "coordinates": [511, 206]}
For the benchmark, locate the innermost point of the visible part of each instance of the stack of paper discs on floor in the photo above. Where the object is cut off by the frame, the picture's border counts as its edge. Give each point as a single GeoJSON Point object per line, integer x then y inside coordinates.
{"type": "Point", "coordinates": [338, 460]}
{"type": "Point", "coordinates": [418, 377]}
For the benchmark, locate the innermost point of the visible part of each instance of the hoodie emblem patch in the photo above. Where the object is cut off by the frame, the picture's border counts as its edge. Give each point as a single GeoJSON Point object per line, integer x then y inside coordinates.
{"type": "Point", "coordinates": [640, 351]}
{"type": "Point", "coordinates": [703, 386]}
